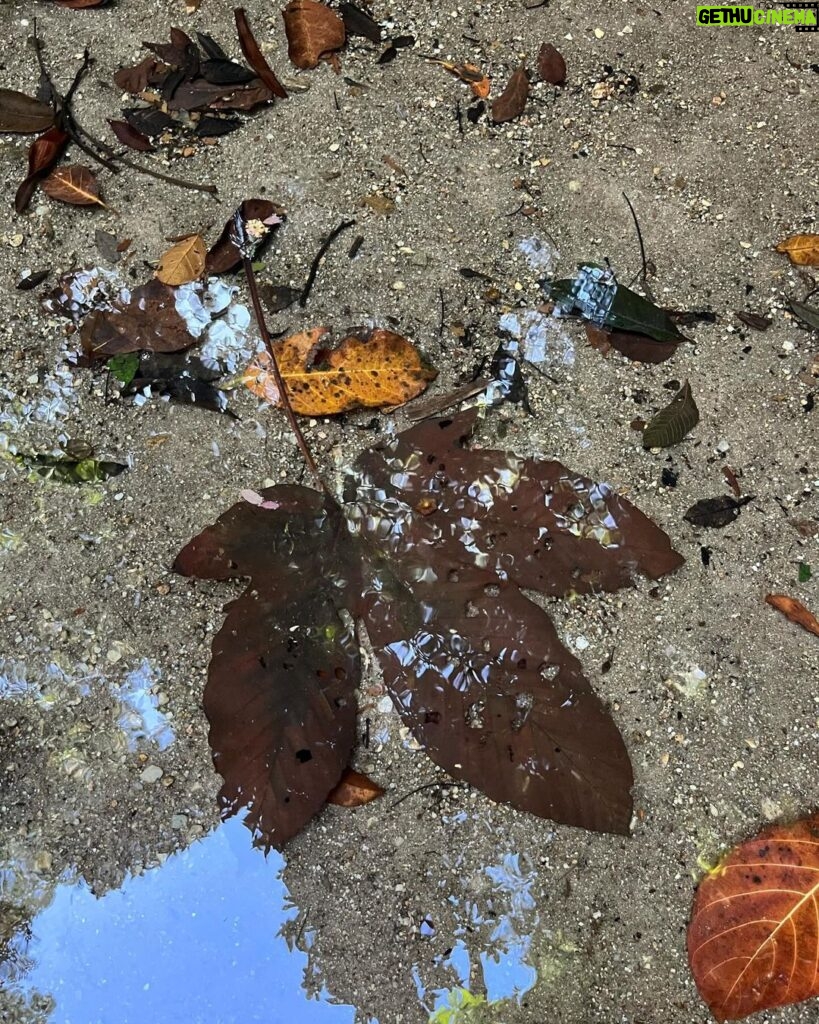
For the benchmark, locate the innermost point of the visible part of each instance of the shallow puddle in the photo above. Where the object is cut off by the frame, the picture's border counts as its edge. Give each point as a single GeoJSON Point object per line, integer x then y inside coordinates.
{"type": "Point", "coordinates": [197, 939]}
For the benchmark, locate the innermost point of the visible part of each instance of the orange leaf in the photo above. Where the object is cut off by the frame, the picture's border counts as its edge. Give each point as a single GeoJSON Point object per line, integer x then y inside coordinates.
{"type": "Point", "coordinates": [313, 31]}
{"type": "Point", "coordinates": [354, 790]}
{"type": "Point", "coordinates": [368, 369]}
{"type": "Point", "coordinates": [795, 611]}
{"type": "Point", "coordinates": [184, 262]}
{"type": "Point", "coordinates": [803, 250]}
{"type": "Point", "coordinates": [477, 81]}
{"type": "Point", "coordinates": [753, 939]}
{"type": "Point", "coordinates": [73, 184]}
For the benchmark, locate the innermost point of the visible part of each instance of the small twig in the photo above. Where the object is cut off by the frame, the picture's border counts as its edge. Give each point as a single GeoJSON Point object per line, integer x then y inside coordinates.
{"type": "Point", "coordinates": [284, 398]}
{"type": "Point", "coordinates": [443, 313]}
{"type": "Point", "coordinates": [418, 789]}
{"type": "Point", "coordinates": [644, 271]}
{"type": "Point", "coordinates": [325, 245]}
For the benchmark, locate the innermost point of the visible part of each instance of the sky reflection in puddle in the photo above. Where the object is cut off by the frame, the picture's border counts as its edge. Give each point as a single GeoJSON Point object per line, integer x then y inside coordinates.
{"type": "Point", "coordinates": [195, 940]}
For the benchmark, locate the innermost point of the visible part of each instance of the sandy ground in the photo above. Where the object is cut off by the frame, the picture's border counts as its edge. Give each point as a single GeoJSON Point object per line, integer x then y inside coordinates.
{"type": "Point", "coordinates": [716, 694]}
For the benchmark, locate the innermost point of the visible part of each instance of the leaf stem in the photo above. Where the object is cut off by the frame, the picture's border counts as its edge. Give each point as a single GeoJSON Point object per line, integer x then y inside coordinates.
{"type": "Point", "coordinates": [247, 265]}
{"type": "Point", "coordinates": [325, 245]}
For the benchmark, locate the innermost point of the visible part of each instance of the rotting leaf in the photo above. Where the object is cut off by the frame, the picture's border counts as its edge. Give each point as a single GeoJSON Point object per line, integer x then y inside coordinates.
{"type": "Point", "coordinates": [254, 55]}
{"type": "Point", "coordinates": [23, 114]}
{"type": "Point", "coordinates": [432, 548]}
{"type": "Point", "coordinates": [550, 65]}
{"type": "Point", "coordinates": [368, 369]}
{"type": "Point", "coordinates": [146, 321]}
{"type": "Point", "coordinates": [801, 250]}
{"type": "Point", "coordinates": [313, 31]}
{"type": "Point", "coordinates": [753, 941]}
{"type": "Point", "coordinates": [795, 611]}
{"type": "Point", "coordinates": [756, 321]}
{"type": "Point", "coordinates": [512, 101]}
{"type": "Point", "coordinates": [716, 512]}
{"type": "Point", "coordinates": [671, 424]}
{"type": "Point", "coordinates": [354, 790]}
{"type": "Point", "coordinates": [184, 262]}
{"type": "Point", "coordinates": [73, 184]}
{"type": "Point", "coordinates": [187, 381]}
{"type": "Point", "coordinates": [809, 315]}
{"type": "Point", "coordinates": [43, 153]}
{"type": "Point", "coordinates": [262, 215]}
{"type": "Point", "coordinates": [30, 281]}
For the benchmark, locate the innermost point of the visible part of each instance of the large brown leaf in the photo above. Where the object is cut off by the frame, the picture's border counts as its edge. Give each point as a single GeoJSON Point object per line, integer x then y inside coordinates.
{"type": "Point", "coordinates": [144, 321]}
{"type": "Point", "coordinates": [73, 184]}
{"type": "Point", "coordinates": [430, 548]}
{"type": "Point", "coordinates": [313, 31]}
{"type": "Point", "coordinates": [753, 939]}
{"type": "Point", "coordinates": [368, 369]}
{"type": "Point", "coordinates": [43, 153]}
{"type": "Point", "coordinates": [23, 114]}
{"type": "Point", "coordinates": [254, 55]}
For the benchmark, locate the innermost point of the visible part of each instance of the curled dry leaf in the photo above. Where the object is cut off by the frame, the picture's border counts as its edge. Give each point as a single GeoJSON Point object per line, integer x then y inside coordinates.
{"type": "Point", "coordinates": [475, 669]}
{"type": "Point", "coordinates": [795, 611]}
{"type": "Point", "coordinates": [23, 114]}
{"type": "Point", "coordinates": [368, 369]}
{"type": "Point", "coordinates": [512, 101]}
{"type": "Point", "coordinates": [550, 65]}
{"type": "Point", "coordinates": [753, 940]}
{"type": "Point", "coordinates": [75, 185]}
{"type": "Point", "coordinates": [261, 218]}
{"type": "Point", "coordinates": [803, 250]}
{"type": "Point", "coordinates": [478, 82]}
{"type": "Point", "coordinates": [43, 153]}
{"type": "Point", "coordinates": [671, 424]}
{"type": "Point", "coordinates": [184, 262]}
{"type": "Point", "coordinates": [313, 31]}
{"type": "Point", "coordinates": [354, 790]}
{"type": "Point", "coordinates": [254, 55]}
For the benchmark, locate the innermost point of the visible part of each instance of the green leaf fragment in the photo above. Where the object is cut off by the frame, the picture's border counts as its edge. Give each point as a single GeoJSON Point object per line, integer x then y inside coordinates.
{"type": "Point", "coordinates": [124, 367]}
{"type": "Point", "coordinates": [461, 1007]}
{"type": "Point", "coordinates": [804, 572]}
{"type": "Point", "coordinates": [71, 471]}
{"type": "Point", "coordinates": [671, 424]}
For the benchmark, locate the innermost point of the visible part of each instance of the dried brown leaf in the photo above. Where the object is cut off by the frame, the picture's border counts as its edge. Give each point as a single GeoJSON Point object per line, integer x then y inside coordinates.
{"type": "Point", "coordinates": [223, 254]}
{"type": "Point", "coordinates": [795, 611]}
{"type": "Point", "coordinates": [254, 55]}
{"type": "Point", "coordinates": [43, 153]}
{"type": "Point", "coordinates": [183, 263]}
{"type": "Point", "coordinates": [802, 250]}
{"type": "Point", "coordinates": [144, 320]}
{"type": "Point", "coordinates": [73, 184]}
{"type": "Point", "coordinates": [512, 101]}
{"type": "Point", "coordinates": [129, 136]}
{"type": "Point", "coordinates": [313, 31]}
{"type": "Point", "coordinates": [354, 790]}
{"type": "Point", "coordinates": [550, 65]}
{"type": "Point", "coordinates": [23, 114]}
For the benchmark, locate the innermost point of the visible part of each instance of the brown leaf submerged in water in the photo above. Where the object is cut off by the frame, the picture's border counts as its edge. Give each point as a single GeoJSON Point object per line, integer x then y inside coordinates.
{"type": "Point", "coordinates": [313, 31]}
{"type": "Point", "coordinates": [753, 939]}
{"type": "Point", "coordinates": [432, 548]}
{"type": "Point", "coordinates": [512, 101]}
{"type": "Point", "coordinates": [354, 790]}
{"type": "Point", "coordinates": [184, 262]}
{"type": "Point", "coordinates": [368, 369]}
{"type": "Point", "coordinates": [74, 184]}
{"type": "Point", "coordinates": [672, 423]}
{"type": "Point", "coordinates": [147, 321]}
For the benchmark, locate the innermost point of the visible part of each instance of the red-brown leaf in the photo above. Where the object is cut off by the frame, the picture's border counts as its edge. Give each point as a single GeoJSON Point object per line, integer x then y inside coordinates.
{"type": "Point", "coordinates": [23, 114]}
{"type": "Point", "coordinates": [129, 136]}
{"type": "Point", "coordinates": [753, 939]}
{"type": "Point", "coordinates": [512, 101]}
{"type": "Point", "coordinates": [136, 79]}
{"type": "Point", "coordinates": [638, 347]}
{"type": "Point", "coordinates": [550, 65]}
{"type": "Point", "coordinates": [43, 153]}
{"type": "Point", "coordinates": [354, 790]}
{"type": "Point", "coordinates": [313, 31]}
{"type": "Point", "coordinates": [795, 611]}
{"type": "Point", "coordinates": [223, 254]}
{"type": "Point", "coordinates": [73, 184]}
{"type": "Point", "coordinates": [146, 321]}
{"type": "Point", "coordinates": [254, 55]}
{"type": "Point", "coordinates": [78, 5]}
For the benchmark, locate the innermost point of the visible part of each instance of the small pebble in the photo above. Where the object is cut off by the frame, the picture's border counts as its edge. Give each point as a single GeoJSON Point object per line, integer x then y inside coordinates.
{"type": "Point", "coordinates": [151, 773]}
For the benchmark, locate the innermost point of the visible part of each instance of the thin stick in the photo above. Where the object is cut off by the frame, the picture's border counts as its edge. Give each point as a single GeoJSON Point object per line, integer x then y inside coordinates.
{"type": "Point", "coordinates": [284, 398]}
{"type": "Point", "coordinates": [644, 271]}
{"type": "Point", "coordinates": [419, 789]}
{"type": "Point", "coordinates": [325, 245]}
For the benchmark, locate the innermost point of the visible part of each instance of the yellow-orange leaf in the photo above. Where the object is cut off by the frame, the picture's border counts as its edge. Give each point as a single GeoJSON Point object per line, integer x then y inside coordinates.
{"type": "Point", "coordinates": [73, 184]}
{"type": "Point", "coordinates": [803, 250]}
{"type": "Point", "coordinates": [354, 790]}
{"type": "Point", "coordinates": [183, 263]}
{"type": "Point", "coordinates": [753, 939]}
{"type": "Point", "coordinates": [795, 611]}
{"type": "Point", "coordinates": [369, 369]}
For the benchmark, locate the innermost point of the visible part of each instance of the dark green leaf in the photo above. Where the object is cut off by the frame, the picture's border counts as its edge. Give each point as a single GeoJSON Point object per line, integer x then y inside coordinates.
{"type": "Point", "coordinates": [807, 314]}
{"type": "Point", "coordinates": [631, 312]}
{"type": "Point", "coordinates": [124, 367]}
{"type": "Point", "coordinates": [671, 424]}
{"type": "Point", "coordinates": [804, 572]}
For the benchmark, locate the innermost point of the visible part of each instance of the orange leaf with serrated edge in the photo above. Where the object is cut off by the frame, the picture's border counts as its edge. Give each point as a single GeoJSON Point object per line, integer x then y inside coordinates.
{"type": "Point", "coordinates": [369, 369]}
{"type": "Point", "coordinates": [354, 790]}
{"type": "Point", "coordinates": [795, 611]}
{"type": "Point", "coordinates": [803, 250]}
{"type": "Point", "coordinates": [73, 184]}
{"type": "Point", "coordinates": [753, 939]}
{"type": "Point", "coordinates": [184, 262]}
